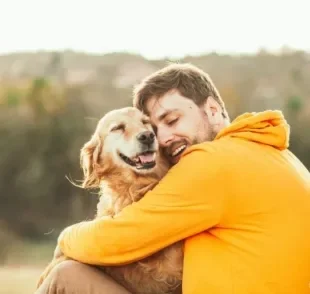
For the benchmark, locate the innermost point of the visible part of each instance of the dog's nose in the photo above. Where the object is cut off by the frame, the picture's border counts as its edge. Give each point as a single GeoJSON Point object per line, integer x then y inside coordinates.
{"type": "Point", "coordinates": [146, 137]}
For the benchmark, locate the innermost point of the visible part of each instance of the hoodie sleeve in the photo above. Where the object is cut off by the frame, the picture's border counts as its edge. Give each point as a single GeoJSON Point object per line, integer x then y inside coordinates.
{"type": "Point", "coordinates": [188, 200]}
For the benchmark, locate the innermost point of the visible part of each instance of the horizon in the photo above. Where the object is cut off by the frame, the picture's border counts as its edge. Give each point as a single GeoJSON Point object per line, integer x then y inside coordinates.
{"type": "Point", "coordinates": [278, 51]}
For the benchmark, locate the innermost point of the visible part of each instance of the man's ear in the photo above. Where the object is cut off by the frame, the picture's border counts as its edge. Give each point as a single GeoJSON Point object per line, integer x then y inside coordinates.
{"type": "Point", "coordinates": [214, 111]}
{"type": "Point", "coordinates": [90, 162]}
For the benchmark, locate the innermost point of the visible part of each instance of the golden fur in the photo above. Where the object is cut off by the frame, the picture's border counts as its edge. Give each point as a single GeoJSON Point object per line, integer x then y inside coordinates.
{"type": "Point", "coordinates": [122, 184]}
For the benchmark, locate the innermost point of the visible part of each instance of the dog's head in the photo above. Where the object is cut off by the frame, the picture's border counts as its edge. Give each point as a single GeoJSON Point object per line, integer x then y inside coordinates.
{"type": "Point", "coordinates": [123, 139]}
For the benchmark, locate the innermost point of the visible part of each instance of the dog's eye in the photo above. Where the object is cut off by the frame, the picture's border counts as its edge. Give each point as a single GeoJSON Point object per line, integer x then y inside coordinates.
{"type": "Point", "coordinates": [145, 121]}
{"type": "Point", "coordinates": [120, 127]}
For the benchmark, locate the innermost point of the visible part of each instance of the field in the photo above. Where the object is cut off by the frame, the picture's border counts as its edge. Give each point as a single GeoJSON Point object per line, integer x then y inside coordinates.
{"type": "Point", "coordinates": [18, 280]}
{"type": "Point", "coordinates": [22, 266]}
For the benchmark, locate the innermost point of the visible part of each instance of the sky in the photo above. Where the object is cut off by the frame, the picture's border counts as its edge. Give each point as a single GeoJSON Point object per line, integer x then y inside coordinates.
{"type": "Point", "coordinates": [154, 29]}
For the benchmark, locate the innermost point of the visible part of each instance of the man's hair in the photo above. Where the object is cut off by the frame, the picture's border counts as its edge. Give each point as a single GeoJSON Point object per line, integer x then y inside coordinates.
{"type": "Point", "coordinates": [189, 80]}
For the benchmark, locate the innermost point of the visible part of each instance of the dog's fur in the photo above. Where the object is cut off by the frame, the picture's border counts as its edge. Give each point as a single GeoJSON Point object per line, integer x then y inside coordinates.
{"type": "Point", "coordinates": [120, 185]}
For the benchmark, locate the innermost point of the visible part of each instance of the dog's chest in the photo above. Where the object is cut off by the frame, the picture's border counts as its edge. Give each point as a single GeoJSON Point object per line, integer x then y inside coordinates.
{"type": "Point", "coordinates": [112, 202]}
{"type": "Point", "coordinates": [107, 198]}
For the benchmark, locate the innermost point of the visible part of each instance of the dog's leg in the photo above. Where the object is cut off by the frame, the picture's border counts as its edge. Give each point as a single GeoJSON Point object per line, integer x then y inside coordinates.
{"type": "Point", "coordinates": [178, 290]}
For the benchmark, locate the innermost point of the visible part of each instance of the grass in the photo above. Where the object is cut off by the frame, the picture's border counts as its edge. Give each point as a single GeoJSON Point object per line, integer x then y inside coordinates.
{"type": "Point", "coordinates": [22, 266]}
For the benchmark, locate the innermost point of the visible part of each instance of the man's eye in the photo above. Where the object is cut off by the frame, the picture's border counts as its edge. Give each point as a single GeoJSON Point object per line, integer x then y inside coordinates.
{"type": "Point", "coordinates": [120, 127]}
{"type": "Point", "coordinates": [173, 121]}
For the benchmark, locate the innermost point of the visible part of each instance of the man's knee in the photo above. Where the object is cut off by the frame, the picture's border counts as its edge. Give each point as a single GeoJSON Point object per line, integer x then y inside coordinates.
{"type": "Point", "coordinates": [64, 277]}
{"type": "Point", "coordinates": [74, 277]}
{"type": "Point", "coordinates": [67, 271]}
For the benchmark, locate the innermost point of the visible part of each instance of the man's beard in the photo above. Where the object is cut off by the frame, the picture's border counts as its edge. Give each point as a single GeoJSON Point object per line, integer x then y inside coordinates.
{"type": "Point", "coordinates": [209, 136]}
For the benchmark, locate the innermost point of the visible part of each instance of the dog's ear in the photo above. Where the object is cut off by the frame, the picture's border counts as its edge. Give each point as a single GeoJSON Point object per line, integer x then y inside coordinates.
{"type": "Point", "coordinates": [90, 162]}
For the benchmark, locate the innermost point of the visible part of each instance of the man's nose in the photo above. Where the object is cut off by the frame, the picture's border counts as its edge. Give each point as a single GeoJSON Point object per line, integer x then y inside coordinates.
{"type": "Point", "coordinates": [164, 137]}
{"type": "Point", "coordinates": [146, 137]}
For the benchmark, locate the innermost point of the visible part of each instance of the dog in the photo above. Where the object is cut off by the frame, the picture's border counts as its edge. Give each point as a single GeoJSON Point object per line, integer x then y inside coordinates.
{"type": "Point", "coordinates": [124, 161]}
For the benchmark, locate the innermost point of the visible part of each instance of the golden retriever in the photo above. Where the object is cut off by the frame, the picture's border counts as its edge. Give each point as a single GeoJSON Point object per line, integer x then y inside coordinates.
{"type": "Point", "coordinates": [123, 159]}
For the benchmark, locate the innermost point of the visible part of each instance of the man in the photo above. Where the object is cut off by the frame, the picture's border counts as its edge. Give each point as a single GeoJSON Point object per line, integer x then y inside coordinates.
{"type": "Point", "coordinates": [236, 194]}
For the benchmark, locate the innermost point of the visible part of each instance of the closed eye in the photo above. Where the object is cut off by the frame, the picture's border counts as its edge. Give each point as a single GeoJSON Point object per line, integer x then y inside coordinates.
{"type": "Point", "coordinates": [120, 127]}
{"type": "Point", "coordinates": [171, 122]}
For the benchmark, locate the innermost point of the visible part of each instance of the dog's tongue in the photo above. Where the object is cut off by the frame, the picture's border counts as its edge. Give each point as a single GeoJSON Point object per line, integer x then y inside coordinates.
{"type": "Point", "coordinates": [145, 158]}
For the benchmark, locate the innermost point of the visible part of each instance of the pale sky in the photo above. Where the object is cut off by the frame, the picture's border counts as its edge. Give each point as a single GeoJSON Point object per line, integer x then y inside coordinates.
{"type": "Point", "coordinates": [154, 29]}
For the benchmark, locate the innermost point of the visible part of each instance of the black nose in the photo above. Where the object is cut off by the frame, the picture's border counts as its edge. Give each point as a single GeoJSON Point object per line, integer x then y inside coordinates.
{"type": "Point", "coordinates": [146, 137]}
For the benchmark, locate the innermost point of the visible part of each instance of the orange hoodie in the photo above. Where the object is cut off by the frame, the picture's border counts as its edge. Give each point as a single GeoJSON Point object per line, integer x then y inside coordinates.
{"type": "Point", "coordinates": [242, 202]}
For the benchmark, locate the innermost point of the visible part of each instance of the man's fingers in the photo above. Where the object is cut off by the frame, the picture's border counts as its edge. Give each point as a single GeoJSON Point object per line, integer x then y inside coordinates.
{"type": "Point", "coordinates": [57, 252]}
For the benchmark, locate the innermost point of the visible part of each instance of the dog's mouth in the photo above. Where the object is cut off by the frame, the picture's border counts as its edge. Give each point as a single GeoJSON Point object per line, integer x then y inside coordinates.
{"type": "Point", "coordinates": [144, 160]}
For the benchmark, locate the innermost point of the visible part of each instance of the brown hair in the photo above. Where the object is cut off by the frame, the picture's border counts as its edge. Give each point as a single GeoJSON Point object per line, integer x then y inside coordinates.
{"type": "Point", "coordinates": [189, 80]}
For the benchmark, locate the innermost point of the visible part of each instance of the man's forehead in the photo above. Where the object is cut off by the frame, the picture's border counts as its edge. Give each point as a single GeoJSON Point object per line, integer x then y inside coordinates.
{"type": "Point", "coordinates": [158, 108]}
{"type": "Point", "coordinates": [158, 112]}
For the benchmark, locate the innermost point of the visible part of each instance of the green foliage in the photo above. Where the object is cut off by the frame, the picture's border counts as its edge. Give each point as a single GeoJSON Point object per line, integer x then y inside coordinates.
{"type": "Point", "coordinates": [13, 98]}
{"type": "Point", "coordinates": [39, 84]}
{"type": "Point", "coordinates": [38, 152]}
{"type": "Point", "coordinates": [295, 103]}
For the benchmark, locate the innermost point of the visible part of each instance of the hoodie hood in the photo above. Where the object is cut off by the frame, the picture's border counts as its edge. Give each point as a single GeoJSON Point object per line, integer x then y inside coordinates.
{"type": "Point", "coordinates": [267, 127]}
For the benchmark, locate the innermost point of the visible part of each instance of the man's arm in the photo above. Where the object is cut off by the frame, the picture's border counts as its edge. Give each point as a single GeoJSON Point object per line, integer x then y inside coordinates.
{"type": "Point", "coordinates": [187, 201]}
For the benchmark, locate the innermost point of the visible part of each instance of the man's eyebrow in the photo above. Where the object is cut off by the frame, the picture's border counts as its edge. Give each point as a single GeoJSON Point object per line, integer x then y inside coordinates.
{"type": "Point", "coordinates": [163, 115]}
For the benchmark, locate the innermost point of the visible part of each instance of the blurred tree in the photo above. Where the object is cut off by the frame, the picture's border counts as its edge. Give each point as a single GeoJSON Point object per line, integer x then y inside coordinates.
{"type": "Point", "coordinates": [37, 157]}
{"type": "Point", "coordinates": [13, 98]}
{"type": "Point", "coordinates": [295, 104]}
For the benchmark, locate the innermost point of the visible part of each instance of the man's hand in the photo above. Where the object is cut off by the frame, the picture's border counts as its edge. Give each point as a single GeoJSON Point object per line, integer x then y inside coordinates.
{"type": "Point", "coordinates": [57, 252]}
